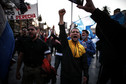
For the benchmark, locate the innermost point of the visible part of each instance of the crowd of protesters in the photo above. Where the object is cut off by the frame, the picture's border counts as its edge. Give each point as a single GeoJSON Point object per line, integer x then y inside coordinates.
{"type": "Point", "coordinates": [74, 54]}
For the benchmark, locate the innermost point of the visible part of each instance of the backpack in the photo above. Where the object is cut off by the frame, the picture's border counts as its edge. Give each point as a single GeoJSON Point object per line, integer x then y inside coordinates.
{"type": "Point", "coordinates": [48, 72]}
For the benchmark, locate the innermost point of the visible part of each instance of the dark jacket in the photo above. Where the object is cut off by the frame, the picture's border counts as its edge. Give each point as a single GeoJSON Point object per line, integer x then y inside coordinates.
{"type": "Point", "coordinates": [112, 39]}
{"type": "Point", "coordinates": [58, 47]}
{"type": "Point", "coordinates": [34, 52]}
{"type": "Point", "coordinates": [71, 67]}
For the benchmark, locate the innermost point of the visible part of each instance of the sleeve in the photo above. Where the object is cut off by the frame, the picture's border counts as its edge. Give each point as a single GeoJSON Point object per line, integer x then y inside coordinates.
{"type": "Point", "coordinates": [55, 37]}
{"type": "Point", "coordinates": [63, 36]}
{"type": "Point", "coordinates": [91, 50]}
{"type": "Point", "coordinates": [109, 29]}
{"type": "Point", "coordinates": [85, 65]}
{"type": "Point", "coordinates": [46, 49]}
{"type": "Point", "coordinates": [2, 20]}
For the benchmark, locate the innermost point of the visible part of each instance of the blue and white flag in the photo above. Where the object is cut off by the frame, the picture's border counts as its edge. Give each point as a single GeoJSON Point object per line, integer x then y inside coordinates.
{"type": "Point", "coordinates": [91, 35]}
{"type": "Point", "coordinates": [80, 25]}
{"type": "Point", "coordinates": [88, 22]}
{"type": "Point", "coordinates": [7, 44]}
{"type": "Point", "coordinates": [120, 17]}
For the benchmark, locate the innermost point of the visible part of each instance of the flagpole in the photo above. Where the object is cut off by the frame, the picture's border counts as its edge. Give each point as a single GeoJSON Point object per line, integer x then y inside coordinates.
{"type": "Point", "coordinates": [79, 16]}
{"type": "Point", "coordinates": [37, 8]}
{"type": "Point", "coordinates": [71, 12]}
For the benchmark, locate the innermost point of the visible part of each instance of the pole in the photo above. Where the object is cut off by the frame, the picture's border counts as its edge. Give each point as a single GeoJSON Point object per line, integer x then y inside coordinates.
{"type": "Point", "coordinates": [37, 14]}
{"type": "Point", "coordinates": [37, 8]}
{"type": "Point", "coordinates": [71, 12]}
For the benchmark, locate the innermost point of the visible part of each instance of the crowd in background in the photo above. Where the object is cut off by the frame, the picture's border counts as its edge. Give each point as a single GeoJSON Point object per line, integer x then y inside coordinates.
{"type": "Point", "coordinates": [73, 50]}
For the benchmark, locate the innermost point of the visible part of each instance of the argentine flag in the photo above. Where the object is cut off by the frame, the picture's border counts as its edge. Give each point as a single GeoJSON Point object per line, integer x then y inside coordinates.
{"type": "Point", "coordinates": [7, 43]}
{"type": "Point", "coordinates": [80, 25]}
{"type": "Point", "coordinates": [88, 22]}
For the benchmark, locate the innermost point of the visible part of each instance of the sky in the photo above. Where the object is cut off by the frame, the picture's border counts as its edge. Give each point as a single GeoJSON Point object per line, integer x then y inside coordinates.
{"type": "Point", "coordinates": [49, 10]}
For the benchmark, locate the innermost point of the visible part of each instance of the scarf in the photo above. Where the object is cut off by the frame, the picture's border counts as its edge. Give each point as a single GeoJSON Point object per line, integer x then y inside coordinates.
{"type": "Point", "coordinates": [77, 49]}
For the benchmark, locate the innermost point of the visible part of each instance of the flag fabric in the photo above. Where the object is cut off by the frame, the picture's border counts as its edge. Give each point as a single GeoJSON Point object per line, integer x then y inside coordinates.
{"type": "Point", "coordinates": [91, 35]}
{"type": "Point", "coordinates": [120, 17]}
{"type": "Point", "coordinates": [88, 22]}
{"type": "Point", "coordinates": [80, 25]}
{"type": "Point", "coordinates": [7, 44]}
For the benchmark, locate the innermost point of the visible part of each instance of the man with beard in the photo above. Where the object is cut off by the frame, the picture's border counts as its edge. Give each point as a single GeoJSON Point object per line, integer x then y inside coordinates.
{"type": "Point", "coordinates": [89, 47]}
{"type": "Point", "coordinates": [32, 53]}
{"type": "Point", "coordinates": [74, 60]}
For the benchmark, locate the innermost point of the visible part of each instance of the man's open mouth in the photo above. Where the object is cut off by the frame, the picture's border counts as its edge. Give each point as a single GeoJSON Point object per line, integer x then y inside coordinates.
{"type": "Point", "coordinates": [74, 36]}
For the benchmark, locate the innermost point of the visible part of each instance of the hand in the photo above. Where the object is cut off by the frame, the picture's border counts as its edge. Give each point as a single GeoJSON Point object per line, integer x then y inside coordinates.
{"type": "Point", "coordinates": [61, 14]}
{"type": "Point", "coordinates": [84, 80]}
{"type": "Point", "coordinates": [18, 76]}
{"type": "Point", "coordinates": [89, 6]}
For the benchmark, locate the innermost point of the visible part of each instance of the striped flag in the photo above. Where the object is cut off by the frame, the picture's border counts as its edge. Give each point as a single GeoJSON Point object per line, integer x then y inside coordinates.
{"type": "Point", "coordinates": [7, 43]}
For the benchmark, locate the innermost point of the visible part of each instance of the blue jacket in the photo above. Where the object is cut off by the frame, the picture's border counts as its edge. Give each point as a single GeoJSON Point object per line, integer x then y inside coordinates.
{"type": "Point", "coordinates": [90, 50]}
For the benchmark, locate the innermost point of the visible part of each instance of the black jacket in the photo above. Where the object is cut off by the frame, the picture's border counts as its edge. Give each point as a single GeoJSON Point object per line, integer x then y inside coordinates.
{"type": "Point", "coordinates": [71, 67]}
{"type": "Point", "coordinates": [112, 39]}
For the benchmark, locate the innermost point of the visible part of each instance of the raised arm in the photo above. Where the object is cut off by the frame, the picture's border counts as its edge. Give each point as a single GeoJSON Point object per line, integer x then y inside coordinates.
{"type": "Point", "coordinates": [61, 16]}
{"type": "Point", "coordinates": [63, 35]}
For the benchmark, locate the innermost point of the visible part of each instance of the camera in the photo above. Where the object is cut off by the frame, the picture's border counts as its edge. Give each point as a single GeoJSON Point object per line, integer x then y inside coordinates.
{"type": "Point", "coordinates": [78, 2]}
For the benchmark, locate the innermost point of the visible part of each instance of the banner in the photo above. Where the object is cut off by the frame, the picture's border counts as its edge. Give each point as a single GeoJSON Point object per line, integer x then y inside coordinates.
{"type": "Point", "coordinates": [15, 13]}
